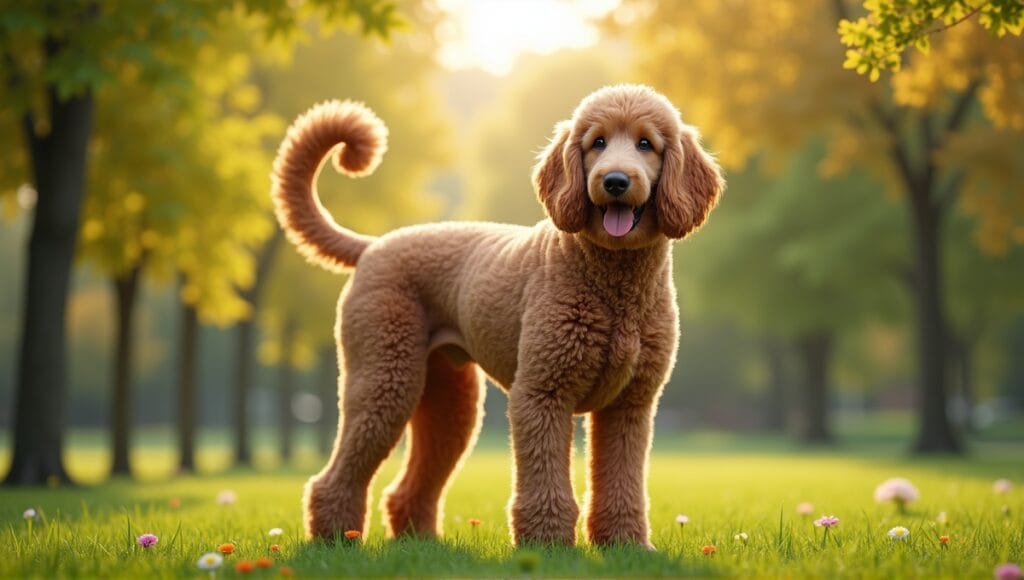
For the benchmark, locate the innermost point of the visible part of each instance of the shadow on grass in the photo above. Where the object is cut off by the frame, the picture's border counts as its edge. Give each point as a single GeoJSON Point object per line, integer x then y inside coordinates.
{"type": "Point", "coordinates": [457, 558]}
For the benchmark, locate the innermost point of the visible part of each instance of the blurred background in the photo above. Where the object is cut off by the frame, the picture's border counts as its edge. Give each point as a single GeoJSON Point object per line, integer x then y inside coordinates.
{"type": "Point", "coordinates": [861, 282]}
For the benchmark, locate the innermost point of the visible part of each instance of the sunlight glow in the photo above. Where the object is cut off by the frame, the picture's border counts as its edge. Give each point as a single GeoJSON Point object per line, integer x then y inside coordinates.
{"type": "Point", "coordinates": [491, 34]}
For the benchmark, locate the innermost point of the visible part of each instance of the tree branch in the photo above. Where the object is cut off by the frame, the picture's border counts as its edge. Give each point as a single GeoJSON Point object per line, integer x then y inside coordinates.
{"type": "Point", "coordinates": [962, 105]}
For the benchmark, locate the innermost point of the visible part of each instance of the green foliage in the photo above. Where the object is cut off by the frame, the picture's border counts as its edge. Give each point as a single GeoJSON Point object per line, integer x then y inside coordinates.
{"type": "Point", "coordinates": [92, 531]}
{"type": "Point", "coordinates": [878, 40]}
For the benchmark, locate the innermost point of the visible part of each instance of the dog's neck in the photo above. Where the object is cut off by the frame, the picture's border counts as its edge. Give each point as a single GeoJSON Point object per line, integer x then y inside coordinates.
{"type": "Point", "coordinates": [624, 272]}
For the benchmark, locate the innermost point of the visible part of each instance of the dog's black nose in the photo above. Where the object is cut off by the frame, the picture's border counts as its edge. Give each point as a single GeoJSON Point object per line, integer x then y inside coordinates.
{"type": "Point", "coordinates": [616, 183]}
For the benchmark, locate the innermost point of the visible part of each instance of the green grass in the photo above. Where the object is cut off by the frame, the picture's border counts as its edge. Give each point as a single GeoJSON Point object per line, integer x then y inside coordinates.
{"type": "Point", "coordinates": [753, 487]}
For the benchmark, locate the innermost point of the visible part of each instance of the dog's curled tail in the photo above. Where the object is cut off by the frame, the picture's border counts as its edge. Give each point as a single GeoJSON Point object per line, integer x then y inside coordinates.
{"type": "Point", "coordinates": [362, 139]}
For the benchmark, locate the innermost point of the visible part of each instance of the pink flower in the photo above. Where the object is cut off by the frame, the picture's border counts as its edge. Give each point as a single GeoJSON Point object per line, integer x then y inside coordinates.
{"type": "Point", "coordinates": [1008, 571]}
{"type": "Point", "coordinates": [826, 521]}
{"type": "Point", "coordinates": [682, 520]}
{"type": "Point", "coordinates": [148, 540]}
{"type": "Point", "coordinates": [1002, 486]}
{"type": "Point", "coordinates": [898, 490]}
{"type": "Point", "coordinates": [805, 508]}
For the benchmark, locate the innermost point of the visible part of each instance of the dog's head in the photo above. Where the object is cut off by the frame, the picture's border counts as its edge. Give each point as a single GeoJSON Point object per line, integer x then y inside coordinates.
{"type": "Point", "coordinates": [626, 170]}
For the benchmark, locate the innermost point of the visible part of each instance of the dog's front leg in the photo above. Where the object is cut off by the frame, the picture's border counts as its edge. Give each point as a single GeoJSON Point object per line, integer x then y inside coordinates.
{"type": "Point", "coordinates": [543, 507]}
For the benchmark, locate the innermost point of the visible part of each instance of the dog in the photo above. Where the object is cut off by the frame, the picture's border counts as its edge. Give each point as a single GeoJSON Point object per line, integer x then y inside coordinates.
{"type": "Point", "coordinates": [575, 315]}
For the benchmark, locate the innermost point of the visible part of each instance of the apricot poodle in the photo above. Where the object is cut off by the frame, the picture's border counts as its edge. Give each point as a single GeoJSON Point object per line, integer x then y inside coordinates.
{"type": "Point", "coordinates": [574, 315]}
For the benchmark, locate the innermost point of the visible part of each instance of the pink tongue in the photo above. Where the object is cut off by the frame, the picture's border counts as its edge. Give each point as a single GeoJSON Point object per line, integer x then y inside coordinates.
{"type": "Point", "coordinates": [618, 219]}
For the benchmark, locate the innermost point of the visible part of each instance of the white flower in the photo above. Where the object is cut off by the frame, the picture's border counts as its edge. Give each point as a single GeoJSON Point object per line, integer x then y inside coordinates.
{"type": "Point", "coordinates": [210, 561]}
{"type": "Point", "coordinates": [682, 520]}
{"type": "Point", "coordinates": [742, 537]}
{"type": "Point", "coordinates": [897, 489]}
{"type": "Point", "coordinates": [899, 533]}
{"type": "Point", "coordinates": [275, 532]}
{"type": "Point", "coordinates": [805, 508]}
{"type": "Point", "coordinates": [30, 514]}
{"type": "Point", "coordinates": [1002, 486]}
{"type": "Point", "coordinates": [227, 497]}
{"type": "Point", "coordinates": [942, 518]}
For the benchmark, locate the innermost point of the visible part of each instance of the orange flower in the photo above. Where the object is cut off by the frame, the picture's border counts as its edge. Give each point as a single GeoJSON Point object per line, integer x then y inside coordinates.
{"type": "Point", "coordinates": [474, 522]}
{"type": "Point", "coordinates": [264, 563]}
{"type": "Point", "coordinates": [226, 548]}
{"type": "Point", "coordinates": [285, 571]}
{"type": "Point", "coordinates": [352, 534]}
{"type": "Point", "coordinates": [943, 540]}
{"type": "Point", "coordinates": [708, 550]}
{"type": "Point", "coordinates": [174, 503]}
{"type": "Point", "coordinates": [244, 567]}
{"type": "Point", "coordinates": [275, 548]}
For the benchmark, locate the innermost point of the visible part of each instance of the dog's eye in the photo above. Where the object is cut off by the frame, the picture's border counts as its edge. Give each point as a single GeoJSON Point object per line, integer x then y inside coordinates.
{"type": "Point", "coordinates": [599, 143]}
{"type": "Point", "coordinates": [644, 144]}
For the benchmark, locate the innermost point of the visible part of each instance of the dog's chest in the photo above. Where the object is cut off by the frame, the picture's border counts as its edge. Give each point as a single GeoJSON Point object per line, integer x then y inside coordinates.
{"type": "Point", "coordinates": [621, 359]}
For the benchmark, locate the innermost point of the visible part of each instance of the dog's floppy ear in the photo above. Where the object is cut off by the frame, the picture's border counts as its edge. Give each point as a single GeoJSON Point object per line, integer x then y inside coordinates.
{"type": "Point", "coordinates": [559, 180]}
{"type": "Point", "coordinates": [689, 185]}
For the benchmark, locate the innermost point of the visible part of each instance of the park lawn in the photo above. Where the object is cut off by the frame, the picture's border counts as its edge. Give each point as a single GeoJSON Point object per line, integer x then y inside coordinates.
{"type": "Point", "coordinates": [91, 530]}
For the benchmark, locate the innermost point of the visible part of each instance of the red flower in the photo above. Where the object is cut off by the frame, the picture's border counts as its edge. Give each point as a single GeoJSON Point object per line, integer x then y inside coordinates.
{"type": "Point", "coordinates": [264, 563]}
{"type": "Point", "coordinates": [708, 550]}
{"type": "Point", "coordinates": [226, 548]}
{"type": "Point", "coordinates": [352, 534]}
{"type": "Point", "coordinates": [275, 548]}
{"type": "Point", "coordinates": [474, 522]}
{"type": "Point", "coordinates": [244, 567]}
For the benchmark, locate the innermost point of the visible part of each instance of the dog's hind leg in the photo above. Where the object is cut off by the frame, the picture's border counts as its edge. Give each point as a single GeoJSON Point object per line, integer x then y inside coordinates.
{"type": "Point", "coordinates": [385, 352]}
{"type": "Point", "coordinates": [443, 427]}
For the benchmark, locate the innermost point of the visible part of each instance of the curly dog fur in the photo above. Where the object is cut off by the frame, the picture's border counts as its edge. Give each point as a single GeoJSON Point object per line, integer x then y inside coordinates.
{"type": "Point", "coordinates": [574, 315]}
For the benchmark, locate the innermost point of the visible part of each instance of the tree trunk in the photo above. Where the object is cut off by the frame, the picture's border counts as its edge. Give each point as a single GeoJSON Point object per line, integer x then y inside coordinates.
{"type": "Point", "coordinates": [962, 354]}
{"type": "Point", "coordinates": [935, 432]}
{"type": "Point", "coordinates": [815, 353]}
{"type": "Point", "coordinates": [126, 289]}
{"type": "Point", "coordinates": [58, 169]}
{"type": "Point", "coordinates": [187, 389]}
{"type": "Point", "coordinates": [286, 390]}
{"type": "Point", "coordinates": [775, 405]}
{"type": "Point", "coordinates": [245, 333]}
{"type": "Point", "coordinates": [328, 398]}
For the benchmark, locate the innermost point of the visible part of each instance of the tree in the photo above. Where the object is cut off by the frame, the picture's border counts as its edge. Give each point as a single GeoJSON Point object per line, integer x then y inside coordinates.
{"type": "Point", "coordinates": [878, 40]}
{"type": "Point", "coordinates": [800, 258]}
{"type": "Point", "coordinates": [914, 130]}
{"type": "Point", "coordinates": [54, 56]}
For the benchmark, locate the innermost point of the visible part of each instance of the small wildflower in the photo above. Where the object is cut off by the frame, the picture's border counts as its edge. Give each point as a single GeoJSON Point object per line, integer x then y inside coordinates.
{"type": "Point", "coordinates": [805, 508]}
{"type": "Point", "coordinates": [210, 561]}
{"type": "Point", "coordinates": [899, 533]}
{"type": "Point", "coordinates": [285, 571]}
{"type": "Point", "coordinates": [943, 540]}
{"type": "Point", "coordinates": [1002, 486]}
{"type": "Point", "coordinates": [682, 519]}
{"type": "Point", "coordinates": [174, 503]}
{"type": "Point", "coordinates": [29, 514]}
{"type": "Point", "coordinates": [826, 522]}
{"type": "Point", "coordinates": [473, 522]}
{"type": "Point", "coordinates": [227, 497]}
{"type": "Point", "coordinates": [264, 562]}
{"type": "Point", "coordinates": [275, 548]}
{"type": "Point", "coordinates": [275, 532]}
{"type": "Point", "coordinates": [1008, 571]}
{"type": "Point", "coordinates": [897, 490]}
{"type": "Point", "coordinates": [708, 550]}
{"type": "Point", "coordinates": [147, 540]}
{"type": "Point", "coordinates": [226, 548]}
{"type": "Point", "coordinates": [244, 566]}
{"type": "Point", "coordinates": [942, 518]}
{"type": "Point", "coordinates": [742, 537]}
{"type": "Point", "coordinates": [352, 534]}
